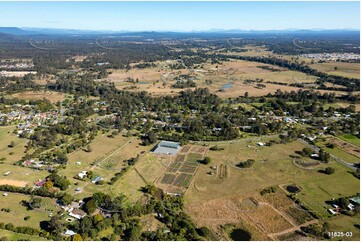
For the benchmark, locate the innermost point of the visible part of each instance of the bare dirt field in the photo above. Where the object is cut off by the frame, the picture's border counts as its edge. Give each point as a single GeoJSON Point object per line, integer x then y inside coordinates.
{"type": "Point", "coordinates": [32, 95]}
{"type": "Point", "coordinates": [13, 182]}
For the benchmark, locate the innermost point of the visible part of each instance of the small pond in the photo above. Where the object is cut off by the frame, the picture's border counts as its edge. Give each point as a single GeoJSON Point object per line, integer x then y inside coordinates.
{"type": "Point", "coordinates": [240, 235]}
{"type": "Point", "coordinates": [292, 189]}
{"type": "Point", "coordinates": [229, 85]}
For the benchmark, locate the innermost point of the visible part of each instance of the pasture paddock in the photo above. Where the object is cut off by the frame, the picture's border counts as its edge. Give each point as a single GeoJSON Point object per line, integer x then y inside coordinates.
{"type": "Point", "coordinates": [208, 202]}
{"type": "Point", "coordinates": [157, 81]}
{"type": "Point", "coordinates": [12, 236]}
{"type": "Point", "coordinates": [351, 70]}
{"type": "Point", "coordinates": [53, 97]}
{"type": "Point", "coordinates": [18, 211]}
{"type": "Point", "coordinates": [6, 136]}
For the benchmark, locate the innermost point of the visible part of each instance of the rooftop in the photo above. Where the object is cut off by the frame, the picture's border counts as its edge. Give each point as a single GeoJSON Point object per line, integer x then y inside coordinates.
{"type": "Point", "coordinates": [166, 147]}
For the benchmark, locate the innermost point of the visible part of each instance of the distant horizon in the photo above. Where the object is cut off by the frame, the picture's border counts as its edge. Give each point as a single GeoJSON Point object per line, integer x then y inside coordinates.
{"type": "Point", "coordinates": [181, 16]}
{"type": "Point", "coordinates": [177, 31]}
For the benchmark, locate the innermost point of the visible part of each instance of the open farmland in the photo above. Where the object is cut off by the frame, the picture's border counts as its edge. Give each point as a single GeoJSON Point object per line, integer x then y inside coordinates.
{"type": "Point", "coordinates": [351, 70]}
{"type": "Point", "coordinates": [6, 136]}
{"type": "Point", "coordinates": [108, 157]}
{"type": "Point", "coordinates": [227, 79]}
{"type": "Point", "coordinates": [53, 97]}
{"type": "Point", "coordinates": [273, 167]}
{"type": "Point", "coordinates": [181, 169]}
{"type": "Point", "coordinates": [18, 211]}
{"type": "Point", "coordinates": [146, 170]}
{"type": "Point", "coordinates": [351, 139]}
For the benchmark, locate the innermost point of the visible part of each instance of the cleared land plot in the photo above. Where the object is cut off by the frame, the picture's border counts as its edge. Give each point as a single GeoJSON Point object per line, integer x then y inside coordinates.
{"type": "Point", "coordinates": [286, 206]}
{"type": "Point", "coordinates": [189, 167]}
{"type": "Point", "coordinates": [351, 70]}
{"type": "Point", "coordinates": [174, 167]}
{"type": "Point", "coordinates": [13, 183]}
{"type": "Point", "coordinates": [168, 178]}
{"type": "Point", "coordinates": [183, 180]}
{"type": "Point", "coordinates": [234, 210]}
{"type": "Point", "coordinates": [199, 149]}
{"type": "Point", "coordinates": [194, 157]}
{"type": "Point", "coordinates": [150, 223]}
{"type": "Point", "coordinates": [180, 158]}
{"type": "Point", "coordinates": [185, 149]}
{"type": "Point", "coordinates": [33, 95]}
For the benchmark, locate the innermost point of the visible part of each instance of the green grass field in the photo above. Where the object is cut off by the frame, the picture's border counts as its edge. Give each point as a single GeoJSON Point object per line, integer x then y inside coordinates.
{"type": "Point", "coordinates": [8, 235]}
{"type": "Point", "coordinates": [343, 155]}
{"type": "Point", "coordinates": [317, 190]}
{"type": "Point", "coordinates": [6, 136]}
{"type": "Point", "coordinates": [149, 166]}
{"type": "Point", "coordinates": [351, 70]}
{"type": "Point", "coordinates": [345, 224]}
{"type": "Point", "coordinates": [19, 211]}
{"type": "Point", "coordinates": [350, 138]}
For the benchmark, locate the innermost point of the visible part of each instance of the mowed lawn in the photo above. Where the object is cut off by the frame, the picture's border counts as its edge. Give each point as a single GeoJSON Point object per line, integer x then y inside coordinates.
{"type": "Point", "coordinates": [18, 211]}
{"type": "Point", "coordinates": [12, 236]}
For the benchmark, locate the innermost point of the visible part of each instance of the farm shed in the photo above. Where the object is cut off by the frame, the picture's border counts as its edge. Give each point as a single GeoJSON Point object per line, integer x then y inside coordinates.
{"type": "Point", "coordinates": [167, 148]}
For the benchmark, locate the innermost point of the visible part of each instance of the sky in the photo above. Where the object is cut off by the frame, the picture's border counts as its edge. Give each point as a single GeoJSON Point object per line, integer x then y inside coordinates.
{"type": "Point", "coordinates": [181, 16]}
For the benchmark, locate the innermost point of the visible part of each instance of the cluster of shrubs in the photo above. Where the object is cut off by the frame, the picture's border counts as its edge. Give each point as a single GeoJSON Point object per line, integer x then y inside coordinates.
{"type": "Point", "coordinates": [267, 190]}
{"type": "Point", "coordinates": [42, 192]}
{"type": "Point", "coordinates": [216, 148]}
{"type": "Point", "coordinates": [246, 164]}
{"type": "Point", "coordinates": [118, 175]}
{"type": "Point", "coordinates": [23, 230]}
